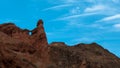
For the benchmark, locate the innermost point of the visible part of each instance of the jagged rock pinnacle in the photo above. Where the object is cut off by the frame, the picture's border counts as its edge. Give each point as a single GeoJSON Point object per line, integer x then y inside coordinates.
{"type": "Point", "coordinates": [40, 22]}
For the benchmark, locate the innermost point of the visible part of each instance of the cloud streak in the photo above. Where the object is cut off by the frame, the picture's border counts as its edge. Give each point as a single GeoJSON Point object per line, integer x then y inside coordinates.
{"type": "Point", "coordinates": [117, 25]}
{"type": "Point", "coordinates": [83, 39]}
{"type": "Point", "coordinates": [109, 18]}
{"type": "Point", "coordinates": [57, 7]}
{"type": "Point", "coordinates": [95, 8]}
{"type": "Point", "coordinates": [75, 16]}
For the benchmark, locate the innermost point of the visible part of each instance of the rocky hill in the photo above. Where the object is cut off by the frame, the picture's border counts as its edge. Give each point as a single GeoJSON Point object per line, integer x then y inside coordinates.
{"type": "Point", "coordinates": [19, 49]}
{"type": "Point", "coordinates": [82, 56]}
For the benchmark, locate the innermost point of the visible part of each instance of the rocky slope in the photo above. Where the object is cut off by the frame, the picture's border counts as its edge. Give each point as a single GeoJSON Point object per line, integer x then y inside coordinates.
{"type": "Point", "coordinates": [19, 49]}
{"type": "Point", "coordinates": [82, 56]}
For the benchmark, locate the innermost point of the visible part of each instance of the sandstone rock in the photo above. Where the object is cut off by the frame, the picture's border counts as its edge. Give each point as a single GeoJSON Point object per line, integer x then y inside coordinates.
{"type": "Point", "coordinates": [59, 44]}
{"type": "Point", "coordinates": [82, 56]}
{"type": "Point", "coordinates": [19, 49]}
{"type": "Point", "coordinates": [39, 41]}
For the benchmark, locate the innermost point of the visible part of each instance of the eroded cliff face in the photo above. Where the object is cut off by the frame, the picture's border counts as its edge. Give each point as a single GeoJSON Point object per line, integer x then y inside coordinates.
{"type": "Point", "coordinates": [19, 49]}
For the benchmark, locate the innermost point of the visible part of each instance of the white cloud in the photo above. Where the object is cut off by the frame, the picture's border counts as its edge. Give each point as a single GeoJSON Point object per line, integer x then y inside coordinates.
{"type": "Point", "coordinates": [115, 28]}
{"type": "Point", "coordinates": [79, 25]}
{"type": "Point", "coordinates": [109, 18]}
{"type": "Point", "coordinates": [95, 8]}
{"type": "Point", "coordinates": [75, 10]}
{"type": "Point", "coordinates": [56, 7]}
{"type": "Point", "coordinates": [75, 16]}
{"type": "Point", "coordinates": [98, 26]}
{"type": "Point", "coordinates": [117, 25]}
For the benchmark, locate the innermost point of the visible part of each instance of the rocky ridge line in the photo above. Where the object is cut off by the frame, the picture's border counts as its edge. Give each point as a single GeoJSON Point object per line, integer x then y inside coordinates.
{"type": "Point", "coordinates": [19, 49]}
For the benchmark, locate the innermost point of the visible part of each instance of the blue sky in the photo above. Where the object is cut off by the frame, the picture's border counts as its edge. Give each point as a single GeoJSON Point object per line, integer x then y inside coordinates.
{"type": "Point", "coordinates": [69, 21]}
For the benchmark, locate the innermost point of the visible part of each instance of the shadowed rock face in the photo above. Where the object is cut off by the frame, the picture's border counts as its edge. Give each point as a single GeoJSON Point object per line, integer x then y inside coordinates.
{"type": "Point", "coordinates": [19, 49]}
{"type": "Point", "coordinates": [82, 56]}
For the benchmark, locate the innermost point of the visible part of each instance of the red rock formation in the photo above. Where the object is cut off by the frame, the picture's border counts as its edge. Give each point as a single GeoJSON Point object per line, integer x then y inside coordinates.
{"type": "Point", "coordinates": [38, 37]}
{"type": "Point", "coordinates": [15, 32]}
{"type": "Point", "coordinates": [39, 40]}
{"type": "Point", "coordinates": [82, 56]}
{"type": "Point", "coordinates": [17, 42]}
{"type": "Point", "coordinates": [18, 49]}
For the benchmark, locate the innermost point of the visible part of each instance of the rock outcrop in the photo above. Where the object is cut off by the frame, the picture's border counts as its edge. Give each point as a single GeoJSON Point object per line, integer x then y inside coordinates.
{"type": "Point", "coordinates": [82, 56]}
{"type": "Point", "coordinates": [19, 49]}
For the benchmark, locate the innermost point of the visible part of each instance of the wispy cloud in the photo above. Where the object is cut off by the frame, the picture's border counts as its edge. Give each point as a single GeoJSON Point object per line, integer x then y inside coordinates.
{"type": "Point", "coordinates": [79, 25]}
{"type": "Point", "coordinates": [115, 28]}
{"type": "Point", "coordinates": [109, 18]}
{"type": "Point", "coordinates": [111, 6]}
{"type": "Point", "coordinates": [75, 16]}
{"type": "Point", "coordinates": [117, 25]}
{"type": "Point", "coordinates": [75, 10]}
{"type": "Point", "coordinates": [57, 7]}
{"type": "Point", "coordinates": [83, 40]}
{"type": "Point", "coordinates": [95, 8]}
